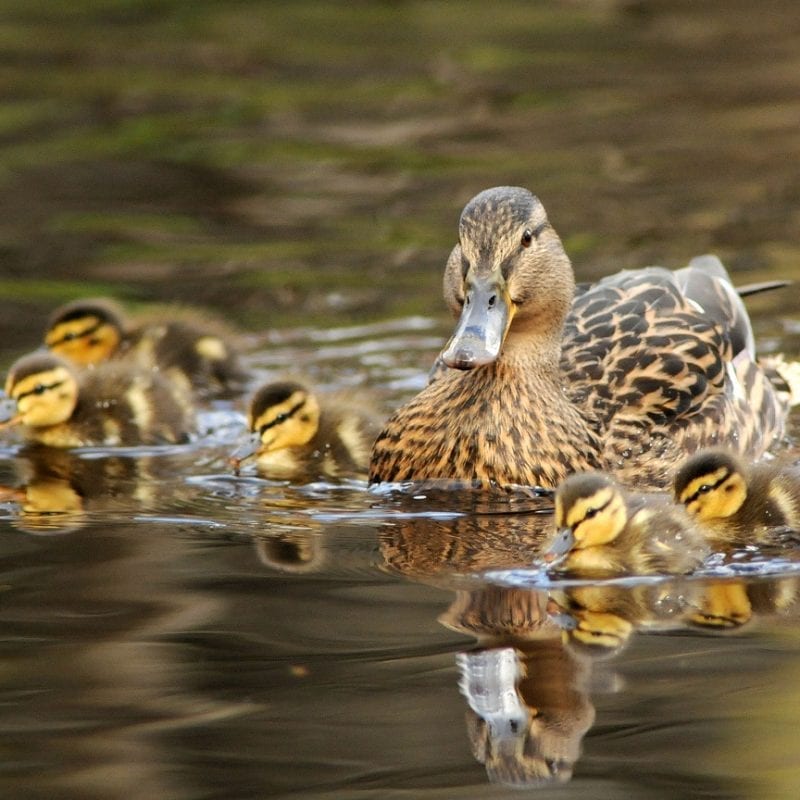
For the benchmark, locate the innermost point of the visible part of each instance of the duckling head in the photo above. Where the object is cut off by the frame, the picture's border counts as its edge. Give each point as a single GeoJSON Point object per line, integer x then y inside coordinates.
{"type": "Point", "coordinates": [590, 511]}
{"type": "Point", "coordinates": [711, 484]}
{"type": "Point", "coordinates": [44, 389]}
{"type": "Point", "coordinates": [508, 275]}
{"type": "Point", "coordinates": [86, 331]}
{"type": "Point", "coordinates": [283, 415]}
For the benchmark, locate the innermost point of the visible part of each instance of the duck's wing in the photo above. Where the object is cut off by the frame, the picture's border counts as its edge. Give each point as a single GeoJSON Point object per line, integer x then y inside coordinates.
{"type": "Point", "coordinates": [664, 362]}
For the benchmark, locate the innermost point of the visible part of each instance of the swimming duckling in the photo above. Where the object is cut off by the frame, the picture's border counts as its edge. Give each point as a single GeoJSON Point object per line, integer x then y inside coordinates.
{"type": "Point", "coordinates": [297, 438]}
{"type": "Point", "coordinates": [187, 347]}
{"type": "Point", "coordinates": [624, 375]}
{"type": "Point", "coordinates": [738, 503]}
{"type": "Point", "coordinates": [602, 530]}
{"type": "Point", "coordinates": [113, 404]}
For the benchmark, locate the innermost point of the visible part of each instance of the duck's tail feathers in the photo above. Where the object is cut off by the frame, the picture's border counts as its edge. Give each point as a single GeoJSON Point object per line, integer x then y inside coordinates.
{"type": "Point", "coordinates": [748, 289]}
{"type": "Point", "coordinates": [706, 283]}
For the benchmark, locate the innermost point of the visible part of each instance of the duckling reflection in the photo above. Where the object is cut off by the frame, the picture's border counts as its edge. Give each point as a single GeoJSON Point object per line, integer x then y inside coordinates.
{"type": "Point", "coordinates": [298, 436]}
{"type": "Point", "coordinates": [298, 551]}
{"type": "Point", "coordinates": [599, 620]}
{"type": "Point", "coordinates": [188, 346]}
{"type": "Point", "coordinates": [735, 503]}
{"type": "Point", "coordinates": [603, 530]}
{"type": "Point", "coordinates": [728, 605]}
{"type": "Point", "coordinates": [57, 490]}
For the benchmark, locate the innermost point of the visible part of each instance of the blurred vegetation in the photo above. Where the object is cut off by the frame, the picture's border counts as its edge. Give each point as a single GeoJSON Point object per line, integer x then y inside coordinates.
{"type": "Point", "coordinates": [262, 158]}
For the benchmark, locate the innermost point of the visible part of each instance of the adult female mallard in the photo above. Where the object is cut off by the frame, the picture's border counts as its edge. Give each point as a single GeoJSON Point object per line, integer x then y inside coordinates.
{"type": "Point", "coordinates": [297, 436]}
{"type": "Point", "coordinates": [113, 404]}
{"type": "Point", "coordinates": [186, 345]}
{"type": "Point", "coordinates": [737, 503]}
{"type": "Point", "coordinates": [626, 375]}
{"type": "Point", "coordinates": [602, 531]}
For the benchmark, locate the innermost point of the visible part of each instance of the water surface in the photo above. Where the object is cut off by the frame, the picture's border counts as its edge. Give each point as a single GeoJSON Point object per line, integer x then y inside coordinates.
{"type": "Point", "coordinates": [177, 632]}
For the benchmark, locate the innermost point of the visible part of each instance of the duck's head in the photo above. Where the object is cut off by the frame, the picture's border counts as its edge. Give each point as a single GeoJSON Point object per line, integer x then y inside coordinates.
{"type": "Point", "coordinates": [281, 415]}
{"type": "Point", "coordinates": [86, 331]}
{"type": "Point", "coordinates": [590, 511]}
{"type": "Point", "coordinates": [43, 390]}
{"type": "Point", "coordinates": [508, 274]}
{"type": "Point", "coordinates": [711, 484]}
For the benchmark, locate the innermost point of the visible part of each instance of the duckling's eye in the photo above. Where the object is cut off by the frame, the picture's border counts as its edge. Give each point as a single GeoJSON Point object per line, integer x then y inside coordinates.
{"type": "Point", "coordinates": [705, 488]}
{"type": "Point", "coordinates": [527, 237]}
{"type": "Point", "coordinates": [40, 388]}
{"type": "Point", "coordinates": [281, 418]}
{"type": "Point", "coordinates": [592, 512]}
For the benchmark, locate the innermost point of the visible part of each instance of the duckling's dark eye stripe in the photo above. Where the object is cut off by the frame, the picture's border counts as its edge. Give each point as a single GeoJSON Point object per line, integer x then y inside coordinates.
{"type": "Point", "coordinates": [593, 512]}
{"type": "Point", "coordinates": [282, 417]}
{"type": "Point", "coordinates": [707, 487]}
{"type": "Point", "coordinates": [68, 337]}
{"type": "Point", "coordinates": [40, 388]}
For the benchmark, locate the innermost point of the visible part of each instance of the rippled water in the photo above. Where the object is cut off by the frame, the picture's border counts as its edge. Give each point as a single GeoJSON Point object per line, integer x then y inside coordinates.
{"type": "Point", "coordinates": [171, 630]}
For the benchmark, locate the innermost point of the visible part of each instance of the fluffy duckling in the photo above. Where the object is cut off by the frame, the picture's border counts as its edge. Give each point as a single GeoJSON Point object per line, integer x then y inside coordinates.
{"type": "Point", "coordinates": [625, 375]}
{"type": "Point", "coordinates": [187, 347]}
{"type": "Point", "coordinates": [295, 437]}
{"type": "Point", "coordinates": [602, 531]}
{"type": "Point", "coordinates": [110, 405]}
{"type": "Point", "coordinates": [738, 503]}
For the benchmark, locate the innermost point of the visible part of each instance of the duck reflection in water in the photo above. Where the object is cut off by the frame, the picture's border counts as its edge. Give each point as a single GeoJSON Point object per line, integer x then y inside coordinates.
{"type": "Point", "coordinates": [543, 649]}
{"type": "Point", "coordinates": [527, 693]}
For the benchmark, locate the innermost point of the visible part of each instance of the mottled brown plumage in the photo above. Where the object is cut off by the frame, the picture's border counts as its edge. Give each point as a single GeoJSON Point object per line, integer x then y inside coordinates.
{"type": "Point", "coordinates": [113, 404]}
{"type": "Point", "coordinates": [737, 503]}
{"type": "Point", "coordinates": [185, 345]}
{"type": "Point", "coordinates": [625, 375]}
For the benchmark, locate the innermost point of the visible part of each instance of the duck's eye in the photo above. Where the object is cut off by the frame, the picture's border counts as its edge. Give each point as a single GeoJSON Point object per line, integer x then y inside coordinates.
{"type": "Point", "coordinates": [592, 512]}
{"type": "Point", "coordinates": [40, 388]}
{"type": "Point", "coordinates": [281, 418]}
{"type": "Point", "coordinates": [527, 237]}
{"type": "Point", "coordinates": [68, 337]}
{"type": "Point", "coordinates": [705, 488]}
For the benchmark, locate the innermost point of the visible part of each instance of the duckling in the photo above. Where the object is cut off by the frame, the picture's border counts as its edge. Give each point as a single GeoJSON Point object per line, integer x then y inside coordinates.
{"type": "Point", "coordinates": [602, 530]}
{"type": "Point", "coordinates": [737, 503]}
{"type": "Point", "coordinates": [113, 404]}
{"type": "Point", "coordinates": [297, 438]}
{"type": "Point", "coordinates": [625, 375]}
{"type": "Point", "coordinates": [188, 348]}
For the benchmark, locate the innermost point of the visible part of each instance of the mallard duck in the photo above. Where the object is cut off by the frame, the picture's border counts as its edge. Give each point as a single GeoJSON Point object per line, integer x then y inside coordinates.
{"type": "Point", "coordinates": [738, 503]}
{"type": "Point", "coordinates": [625, 375]}
{"type": "Point", "coordinates": [185, 345]}
{"type": "Point", "coordinates": [112, 404]}
{"type": "Point", "coordinates": [602, 530]}
{"type": "Point", "coordinates": [297, 437]}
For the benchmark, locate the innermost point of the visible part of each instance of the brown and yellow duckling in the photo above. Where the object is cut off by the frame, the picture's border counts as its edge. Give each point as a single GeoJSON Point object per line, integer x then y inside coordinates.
{"type": "Point", "coordinates": [626, 375]}
{"type": "Point", "coordinates": [601, 531]}
{"type": "Point", "coordinates": [113, 404]}
{"type": "Point", "coordinates": [735, 503]}
{"type": "Point", "coordinates": [185, 345]}
{"type": "Point", "coordinates": [297, 437]}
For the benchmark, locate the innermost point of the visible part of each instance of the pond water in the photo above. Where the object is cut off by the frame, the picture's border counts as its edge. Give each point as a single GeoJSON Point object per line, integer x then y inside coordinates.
{"type": "Point", "coordinates": [180, 632]}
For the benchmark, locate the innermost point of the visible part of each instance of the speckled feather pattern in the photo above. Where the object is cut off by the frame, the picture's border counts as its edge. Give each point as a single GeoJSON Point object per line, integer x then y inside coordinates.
{"type": "Point", "coordinates": [654, 364]}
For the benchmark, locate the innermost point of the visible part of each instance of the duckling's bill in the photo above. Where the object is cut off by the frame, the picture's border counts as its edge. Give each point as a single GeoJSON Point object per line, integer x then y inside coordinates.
{"type": "Point", "coordinates": [482, 327]}
{"type": "Point", "coordinates": [560, 545]}
{"type": "Point", "coordinates": [245, 451]}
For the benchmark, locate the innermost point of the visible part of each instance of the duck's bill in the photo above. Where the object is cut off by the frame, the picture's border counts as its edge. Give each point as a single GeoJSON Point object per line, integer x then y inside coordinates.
{"type": "Point", "coordinates": [244, 452]}
{"type": "Point", "coordinates": [482, 327]}
{"type": "Point", "coordinates": [560, 545]}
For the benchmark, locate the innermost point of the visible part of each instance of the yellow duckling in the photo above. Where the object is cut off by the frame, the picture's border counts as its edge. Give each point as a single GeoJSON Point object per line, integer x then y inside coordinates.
{"type": "Point", "coordinates": [625, 375]}
{"type": "Point", "coordinates": [738, 503]}
{"type": "Point", "coordinates": [296, 438]}
{"type": "Point", "coordinates": [603, 531]}
{"type": "Point", "coordinates": [110, 405]}
{"type": "Point", "coordinates": [185, 346]}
